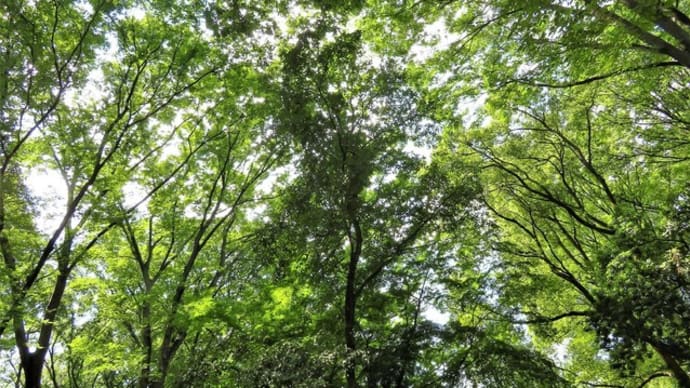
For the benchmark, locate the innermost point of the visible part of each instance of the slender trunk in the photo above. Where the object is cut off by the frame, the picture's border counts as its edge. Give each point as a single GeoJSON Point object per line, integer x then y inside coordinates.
{"type": "Point", "coordinates": [350, 324]}
{"type": "Point", "coordinates": [172, 339]}
{"type": "Point", "coordinates": [407, 356]}
{"type": "Point", "coordinates": [148, 344]}
{"type": "Point", "coordinates": [350, 304]}
{"type": "Point", "coordinates": [32, 362]}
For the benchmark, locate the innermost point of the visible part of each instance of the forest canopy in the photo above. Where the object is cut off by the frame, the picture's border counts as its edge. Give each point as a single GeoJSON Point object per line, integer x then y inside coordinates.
{"type": "Point", "coordinates": [317, 193]}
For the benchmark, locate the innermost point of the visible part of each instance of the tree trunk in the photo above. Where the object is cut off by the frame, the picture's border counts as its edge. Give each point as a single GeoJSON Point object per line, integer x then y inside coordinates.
{"type": "Point", "coordinates": [32, 362]}
{"type": "Point", "coordinates": [350, 326]}
{"type": "Point", "coordinates": [147, 341]}
{"type": "Point", "coordinates": [350, 304]}
{"type": "Point", "coordinates": [32, 365]}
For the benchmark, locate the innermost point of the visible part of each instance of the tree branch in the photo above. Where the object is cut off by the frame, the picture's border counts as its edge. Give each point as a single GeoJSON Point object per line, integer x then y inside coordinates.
{"type": "Point", "coordinates": [600, 77]}
{"type": "Point", "coordinates": [542, 319]}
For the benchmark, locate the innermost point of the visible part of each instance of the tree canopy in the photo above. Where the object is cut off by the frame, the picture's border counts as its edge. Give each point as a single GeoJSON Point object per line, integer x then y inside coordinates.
{"type": "Point", "coordinates": [345, 193]}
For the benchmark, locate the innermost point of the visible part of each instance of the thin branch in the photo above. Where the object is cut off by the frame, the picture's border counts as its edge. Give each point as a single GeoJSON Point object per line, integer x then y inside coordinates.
{"type": "Point", "coordinates": [654, 376]}
{"type": "Point", "coordinates": [600, 77]}
{"type": "Point", "coordinates": [587, 383]}
{"type": "Point", "coordinates": [542, 319]}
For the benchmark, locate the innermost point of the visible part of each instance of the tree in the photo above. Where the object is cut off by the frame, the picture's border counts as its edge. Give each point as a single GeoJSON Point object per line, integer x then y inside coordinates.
{"type": "Point", "coordinates": [581, 123]}
{"type": "Point", "coordinates": [96, 144]}
{"type": "Point", "coordinates": [578, 202]}
{"type": "Point", "coordinates": [372, 216]}
{"type": "Point", "coordinates": [255, 199]}
{"type": "Point", "coordinates": [183, 261]}
{"type": "Point", "coordinates": [542, 42]}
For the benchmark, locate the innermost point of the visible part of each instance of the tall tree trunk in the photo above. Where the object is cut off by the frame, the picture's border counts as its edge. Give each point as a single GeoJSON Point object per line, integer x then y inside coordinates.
{"type": "Point", "coordinates": [146, 331]}
{"type": "Point", "coordinates": [350, 324]}
{"type": "Point", "coordinates": [32, 365]}
{"type": "Point", "coordinates": [350, 303]}
{"type": "Point", "coordinates": [32, 362]}
{"type": "Point", "coordinates": [172, 339]}
{"type": "Point", "coordinates": [146, 339]}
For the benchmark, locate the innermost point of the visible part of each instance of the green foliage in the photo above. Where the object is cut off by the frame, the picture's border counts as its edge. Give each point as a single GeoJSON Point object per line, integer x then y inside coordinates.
{"type": "Point", "coordinates": [345, 193]}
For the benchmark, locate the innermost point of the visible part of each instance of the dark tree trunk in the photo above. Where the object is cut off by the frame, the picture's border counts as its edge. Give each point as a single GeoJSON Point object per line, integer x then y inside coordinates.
{"type": "Point", "coordinates": [32, 362]}
{"type": "Point", "coordinates": [32, 365]}
{"type": "Point", "coordinates": [147, 341]}
{"type": "Point", "coordinates": [350, 325]}
{"type": "Point", "coordinates": [350, 304]}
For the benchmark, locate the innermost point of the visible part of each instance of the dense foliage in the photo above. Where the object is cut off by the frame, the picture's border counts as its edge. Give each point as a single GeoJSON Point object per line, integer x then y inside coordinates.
{"type": "Point", "coordinates": [345, 193]}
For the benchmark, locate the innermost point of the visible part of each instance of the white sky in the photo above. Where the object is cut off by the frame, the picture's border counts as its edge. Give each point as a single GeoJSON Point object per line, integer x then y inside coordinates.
{"type": "Point", "coordinates": [50, 193]}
